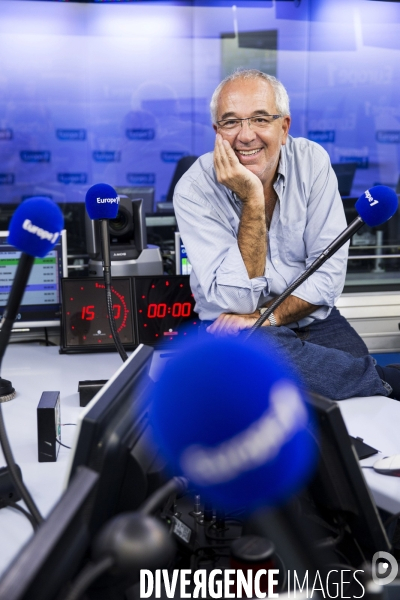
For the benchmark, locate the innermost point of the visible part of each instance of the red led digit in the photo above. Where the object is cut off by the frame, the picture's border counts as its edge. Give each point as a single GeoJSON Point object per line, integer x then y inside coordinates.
{"type": "Point", "coordinates": [176, 309]}
{"type": "Point", "coordinates": [87, 313]}
{"type": "Point", "coordinates": [152, 311]}
{"type": "Point", "coordinates": [117, 311]}
{"type": "Point", "coordinates": [186, 309]}
{"type": "Point", "coordinates": [162, 310]}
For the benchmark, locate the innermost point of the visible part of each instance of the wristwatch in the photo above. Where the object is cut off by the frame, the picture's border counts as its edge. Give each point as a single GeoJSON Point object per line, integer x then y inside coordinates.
{"type": "Point", "coordinates": [271, 317]}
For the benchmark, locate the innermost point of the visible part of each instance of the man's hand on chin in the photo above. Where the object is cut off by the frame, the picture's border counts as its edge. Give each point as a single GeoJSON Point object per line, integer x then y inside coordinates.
{"type": "Point", "coordinates": [235, 176]}
{"type": "Point", "coordinates": [231, 324]}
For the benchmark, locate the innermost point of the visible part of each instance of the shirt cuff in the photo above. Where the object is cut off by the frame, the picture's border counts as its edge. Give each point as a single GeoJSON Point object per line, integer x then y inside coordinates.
{"type": "Point", "coordinates": [233, 272]}
{"type": "Point", "coordinates": [238, 293]}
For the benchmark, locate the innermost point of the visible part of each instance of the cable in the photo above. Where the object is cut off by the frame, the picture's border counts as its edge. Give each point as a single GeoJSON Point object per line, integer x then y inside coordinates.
{"type": "Point", "coordinates": [11, 504]}
{"type": "Point", "coordinates": [107, 281]}
{"type": "Point", "coordinates": [86, 577]}
{"type": "Point", "coordinates": [116, 338]}
{"type": "Point", "coordinates": [23, 490]}
{"type": "Point", "coordinates": [59, 441]}
{"type": "Point", "coordinates": [61, 444]}
{"type": "Point", "coordinates": [176, 485]}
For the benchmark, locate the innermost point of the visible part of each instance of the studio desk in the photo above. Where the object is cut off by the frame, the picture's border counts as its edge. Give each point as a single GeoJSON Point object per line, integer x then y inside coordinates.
{"type": "Point", "coordinates": [33, 369]}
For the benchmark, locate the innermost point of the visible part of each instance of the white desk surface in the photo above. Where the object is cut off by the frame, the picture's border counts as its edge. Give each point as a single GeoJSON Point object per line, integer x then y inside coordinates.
{"type": "Point", "coordinates": [33, 369]}
{"type": "Point", "coordinates": [377, 421]}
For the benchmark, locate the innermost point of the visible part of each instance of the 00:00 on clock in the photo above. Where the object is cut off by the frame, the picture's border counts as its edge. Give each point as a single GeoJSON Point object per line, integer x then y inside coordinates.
{"type": "Point", "coordinates": [179, 309]}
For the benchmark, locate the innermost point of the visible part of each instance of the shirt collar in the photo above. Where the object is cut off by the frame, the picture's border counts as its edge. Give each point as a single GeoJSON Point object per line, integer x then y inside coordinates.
{"type": "Point", "coordinates": [282, 163]}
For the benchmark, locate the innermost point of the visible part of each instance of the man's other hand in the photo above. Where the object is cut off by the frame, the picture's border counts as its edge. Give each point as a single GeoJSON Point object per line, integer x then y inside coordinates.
{"type": "Point", "coordinates": [231, 324]}
{"type": "Point", "coordinates": [231, 173]}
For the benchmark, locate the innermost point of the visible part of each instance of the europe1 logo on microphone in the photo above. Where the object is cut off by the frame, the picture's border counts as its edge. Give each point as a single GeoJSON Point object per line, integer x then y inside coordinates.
{"type": "Point", "coordinates": [370, 199]}
{"type": "Point", "coordinates": [41, 233]}
{"type": "Point", "coordinates": [108, 200]}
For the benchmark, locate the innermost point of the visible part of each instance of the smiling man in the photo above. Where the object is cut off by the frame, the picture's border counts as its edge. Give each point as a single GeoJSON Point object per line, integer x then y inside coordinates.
{"type": "Point", "coordinates": [253, 215]}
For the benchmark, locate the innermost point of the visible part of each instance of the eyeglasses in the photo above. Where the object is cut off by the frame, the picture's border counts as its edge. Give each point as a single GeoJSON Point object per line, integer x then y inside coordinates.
{"type": "Point", "coordinates": [257, 122]}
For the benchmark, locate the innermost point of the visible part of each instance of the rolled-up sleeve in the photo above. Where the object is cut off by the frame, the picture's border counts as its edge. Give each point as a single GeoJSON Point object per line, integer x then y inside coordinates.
{"type": "Point", "coordinates": [220, 281]}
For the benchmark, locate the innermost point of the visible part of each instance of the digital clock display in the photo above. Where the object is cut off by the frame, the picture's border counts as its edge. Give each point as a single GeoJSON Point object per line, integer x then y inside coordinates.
{"type": "Point", "coordinates": [153, 310]}
{"type": "Point", "coordinates": [85, 319]}
{"type": "Point", "coordinates": [164, 309]}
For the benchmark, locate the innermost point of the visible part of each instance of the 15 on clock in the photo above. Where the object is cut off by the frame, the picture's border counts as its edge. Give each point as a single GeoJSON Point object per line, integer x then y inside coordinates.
{"type": "Point", "coordinates": [85, 320]}
{"type": "Point", "coordinates": [164, 308]}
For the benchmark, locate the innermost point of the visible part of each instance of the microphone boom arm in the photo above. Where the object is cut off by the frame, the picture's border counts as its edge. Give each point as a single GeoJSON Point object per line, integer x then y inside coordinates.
{"type": "Point", "coordinates": [14, 300]}
{"type": "Point", "coordinates": [107, 280]}
{"type": "Point", "coordinates": [327, 253]}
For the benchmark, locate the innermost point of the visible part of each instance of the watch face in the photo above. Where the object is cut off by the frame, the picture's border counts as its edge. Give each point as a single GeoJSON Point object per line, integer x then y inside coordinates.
{"type": "Point", "coordinates": [85, 318]}
{"type": "Point", "coordinates": [164, 309]}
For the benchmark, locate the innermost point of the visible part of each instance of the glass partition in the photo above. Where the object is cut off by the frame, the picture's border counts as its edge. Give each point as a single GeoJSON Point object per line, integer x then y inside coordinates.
{"type": "Point", "coordinates": [119, 92]}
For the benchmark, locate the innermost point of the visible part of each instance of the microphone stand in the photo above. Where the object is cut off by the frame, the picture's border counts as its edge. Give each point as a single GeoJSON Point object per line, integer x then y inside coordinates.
{"type": "Point", "coordinates": [25, 263]}
{"type": "Point", "coordinates": [107, 280]}
{"type": "Point", "coordinates": [327, 253]}
{"type": "Point", "coordinates": [7, 392]}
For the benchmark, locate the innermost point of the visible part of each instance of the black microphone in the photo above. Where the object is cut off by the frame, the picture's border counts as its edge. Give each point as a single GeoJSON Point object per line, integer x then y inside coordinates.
{"type": "Point", "coordinates": [102, 203]}
{"type": "Point", "coordinates": [374, 207]}
{"type": "Point", "coordinates": [34, 229]}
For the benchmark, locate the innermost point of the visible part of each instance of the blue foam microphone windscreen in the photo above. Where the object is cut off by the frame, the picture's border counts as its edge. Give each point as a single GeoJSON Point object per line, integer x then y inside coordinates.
{"type": "Point", "coordinates": [102, 202]}
{"type": "Point", "coordinates": [35, 226]}
{"type": "Point", "coordinates": [377, 205]}
{"type": "Point", "coordinates": [231, 417]}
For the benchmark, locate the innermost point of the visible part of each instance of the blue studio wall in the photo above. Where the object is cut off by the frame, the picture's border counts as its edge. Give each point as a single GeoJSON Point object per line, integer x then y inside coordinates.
{"type": "Point", "coordinates": [118, 92]}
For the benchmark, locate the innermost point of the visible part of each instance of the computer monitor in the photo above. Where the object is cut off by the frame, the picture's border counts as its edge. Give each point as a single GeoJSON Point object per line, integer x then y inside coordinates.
{"type": "Point", "coordinates": [339, 490]}
{"type": "Point", "coordinates": [182, 263]}
{"type": "Point", "coordinates": [161, 230]}
{"type": "Point", "coordinates": [54, 554]}
{"type": "Point", "coordinates": [41, 303]}
{"type": "Point", "coordinates": [113, 439]}
{"type": "Point", "coordinates": [145, 193]}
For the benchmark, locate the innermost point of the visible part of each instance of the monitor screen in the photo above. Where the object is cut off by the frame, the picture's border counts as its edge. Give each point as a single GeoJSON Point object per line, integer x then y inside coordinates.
{"type": "Point", "coordinates": [112, 439]}
{"type": "Point", "coordinates": [41, 303]}
{"type": "Point", "coordinates": [182, 262]}
{"type": "Point", "coordinates": [345, 175]}
{"type": "Point", "coordinates": [161, 230]}
{"type": "Point", "coordinates": [55, 553]}
{"type": "Point", "coordinates": [339, 490]}
{"type": "Point", "coordinates": [139, 193]}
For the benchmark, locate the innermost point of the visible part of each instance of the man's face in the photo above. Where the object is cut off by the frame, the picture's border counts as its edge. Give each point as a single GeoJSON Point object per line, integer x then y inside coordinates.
{"type": "Point", "coordinates": [257, 149]}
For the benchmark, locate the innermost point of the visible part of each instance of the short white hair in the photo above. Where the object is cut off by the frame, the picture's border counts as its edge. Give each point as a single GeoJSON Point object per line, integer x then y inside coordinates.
{"type": "Point", "coordinates": [281, 95]}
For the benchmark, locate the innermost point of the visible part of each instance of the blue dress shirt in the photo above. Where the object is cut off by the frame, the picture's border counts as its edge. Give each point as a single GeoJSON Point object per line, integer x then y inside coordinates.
{"type": "Point", "coordinates": [308, 216]}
